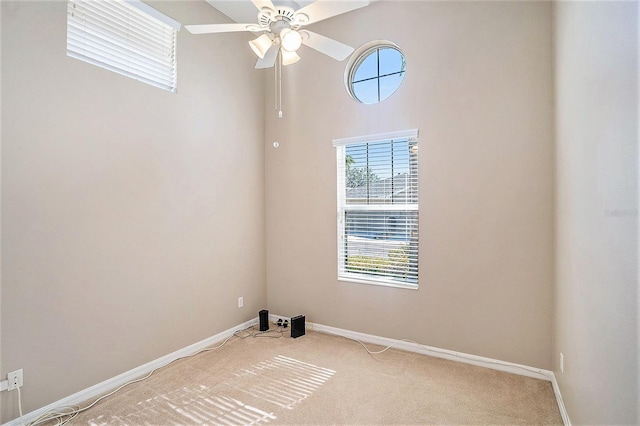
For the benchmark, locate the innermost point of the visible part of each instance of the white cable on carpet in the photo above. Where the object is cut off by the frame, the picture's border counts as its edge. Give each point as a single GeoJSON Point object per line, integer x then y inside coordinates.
{"type": "Point", "coordinates": [449, 353]}
{"type": "Point", "coordinates": [71, 412]}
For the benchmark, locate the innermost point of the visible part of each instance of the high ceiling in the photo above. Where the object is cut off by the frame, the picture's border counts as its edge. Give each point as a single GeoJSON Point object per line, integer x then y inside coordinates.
{"type": "Point", "coordinates": [245, 11]}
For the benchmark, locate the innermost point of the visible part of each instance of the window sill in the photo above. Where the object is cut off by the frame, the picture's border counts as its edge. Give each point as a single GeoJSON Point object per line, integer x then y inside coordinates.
{"type": "Point", "coordinates": [378, 283]}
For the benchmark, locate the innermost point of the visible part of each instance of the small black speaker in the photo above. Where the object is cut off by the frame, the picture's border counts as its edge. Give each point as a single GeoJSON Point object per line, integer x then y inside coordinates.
{"type": "Point", "coordinates": [297, 326]}
{"type": "Point", "coordinates": [264, 320]}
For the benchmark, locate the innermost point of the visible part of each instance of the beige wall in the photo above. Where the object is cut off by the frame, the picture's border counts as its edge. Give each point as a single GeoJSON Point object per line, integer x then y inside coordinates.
{"type": "Point", "coordinates": [119, 199]}
{"type": "Point", "coordinates": [0, 207]}
{"type": "Point", "coordinates": [479, 89]}
{"type": "Point", "coordinates": [132, 217]}
{"type": "Point", "coordinates": [596, 54]}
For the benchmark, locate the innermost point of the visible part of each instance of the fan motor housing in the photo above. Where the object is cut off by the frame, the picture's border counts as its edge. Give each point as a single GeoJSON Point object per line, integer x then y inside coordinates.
{"type": "Point", "coordinates": [285, 14]}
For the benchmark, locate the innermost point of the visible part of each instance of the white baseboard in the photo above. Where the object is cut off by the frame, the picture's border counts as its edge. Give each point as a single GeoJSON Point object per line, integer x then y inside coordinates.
{"type": "Point", "coordinates": [563, 410]}
{"type": "Point", "coordinates": [509, 367]}
{"type": "Point", "coordinates": [115, 382]}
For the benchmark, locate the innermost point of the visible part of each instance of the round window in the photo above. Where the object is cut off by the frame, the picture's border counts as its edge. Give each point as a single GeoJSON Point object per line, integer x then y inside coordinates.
{"type": "Point", "coordinates": [375, 71]}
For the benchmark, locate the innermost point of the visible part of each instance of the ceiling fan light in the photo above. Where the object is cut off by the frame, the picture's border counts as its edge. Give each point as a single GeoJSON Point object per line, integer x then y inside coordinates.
{"type": "Point", "coordinates": [289, 58]}
{"type": "Point", "coordinates": [290, 39]}
{"type": "Point", "coordinates": [261, 45]}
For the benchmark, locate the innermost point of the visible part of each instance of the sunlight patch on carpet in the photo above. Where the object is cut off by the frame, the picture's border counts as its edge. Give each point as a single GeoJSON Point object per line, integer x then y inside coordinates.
{"type": "Point", "coordinates": [198, 405]}
{"type": "Point", "coordinates": [202, 405]}
{"type": "Point", "coordinates": [279, 383]}
{"type": "Point", "coordinates": [289, 383]}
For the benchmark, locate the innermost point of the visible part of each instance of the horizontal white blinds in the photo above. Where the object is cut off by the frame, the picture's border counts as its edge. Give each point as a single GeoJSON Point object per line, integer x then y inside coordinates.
{"type": "Point", "coordinates": [117, 36]}
{"type": "Point", "coordinates": [378, 211]}
{"type": "Point", "coordinates": [381, 173]}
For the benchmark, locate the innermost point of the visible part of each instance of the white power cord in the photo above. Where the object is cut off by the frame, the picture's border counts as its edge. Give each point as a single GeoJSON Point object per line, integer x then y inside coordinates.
{"type": "Point", "coordinates": [382, 350]}
{"type": "Point", "coordinates": [20, 405]}
{"type": "Point", "coordinates": [444, 352]}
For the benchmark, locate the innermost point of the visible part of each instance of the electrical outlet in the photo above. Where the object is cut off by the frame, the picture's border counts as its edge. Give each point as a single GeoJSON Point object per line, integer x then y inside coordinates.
{"type": "Point", "coordinates": [561, 363]}
{"type": "Point", "coordinates": [15, 379]}
{"type": "Point", "coordinates": [240, 302]}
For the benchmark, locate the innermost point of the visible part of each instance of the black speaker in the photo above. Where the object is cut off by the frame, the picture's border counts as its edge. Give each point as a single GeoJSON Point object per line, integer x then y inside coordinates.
{"type": "Point", "coordinates": [297, 326]}
{"type": "Point", "coordinates": [264, 320]}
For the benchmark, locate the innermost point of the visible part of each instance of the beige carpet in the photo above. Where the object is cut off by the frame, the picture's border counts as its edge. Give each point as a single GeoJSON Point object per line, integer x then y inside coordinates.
{"type": "Point", "coordinates": [324, 379]}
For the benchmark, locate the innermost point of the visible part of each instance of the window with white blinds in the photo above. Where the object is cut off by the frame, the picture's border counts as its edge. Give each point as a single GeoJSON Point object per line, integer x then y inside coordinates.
{"type": "Point", "coordinates": [126, 37]}
{"type": "Point", "coordinates": [378, 209]}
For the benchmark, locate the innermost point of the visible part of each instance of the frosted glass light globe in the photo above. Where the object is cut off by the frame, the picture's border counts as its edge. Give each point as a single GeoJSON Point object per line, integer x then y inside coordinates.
{"type": "Point", "coordinates": [290, 39]}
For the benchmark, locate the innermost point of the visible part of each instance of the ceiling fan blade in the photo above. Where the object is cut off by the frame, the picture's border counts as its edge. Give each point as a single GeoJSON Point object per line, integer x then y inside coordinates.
{"type": "Point", "coordinates": [326, 45]}
{"type": "Point", "coordinates": [319, 10]}
{"type": "Point", "coordinates": [269, 59]}
{"type": "Point", "coordinates": [220, 28]}
{"type": "Point", "coordinates": [263, 3]}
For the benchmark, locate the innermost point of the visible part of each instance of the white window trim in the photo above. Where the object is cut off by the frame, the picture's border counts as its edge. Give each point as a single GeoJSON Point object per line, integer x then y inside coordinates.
{"type": "Point", "coordinates": [378, 137]}
{"type": "Point", "coordinates": [411, 134]}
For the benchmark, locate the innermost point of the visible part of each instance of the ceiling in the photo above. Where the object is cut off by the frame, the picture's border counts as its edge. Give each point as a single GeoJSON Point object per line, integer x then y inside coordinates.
{"type": "Point", "coordinates": [245, 11]}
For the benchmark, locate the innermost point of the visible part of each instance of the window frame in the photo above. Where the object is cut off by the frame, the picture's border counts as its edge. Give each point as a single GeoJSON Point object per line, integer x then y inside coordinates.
{"type": "Point", "coordinates": [411, 136]}
{"type": "Point", "coordinates": [360, 56]}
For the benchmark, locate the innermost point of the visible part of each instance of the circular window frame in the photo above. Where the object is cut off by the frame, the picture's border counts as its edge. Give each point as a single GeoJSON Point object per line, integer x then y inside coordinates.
{"type": "Point", "coordinates": [359, 56]}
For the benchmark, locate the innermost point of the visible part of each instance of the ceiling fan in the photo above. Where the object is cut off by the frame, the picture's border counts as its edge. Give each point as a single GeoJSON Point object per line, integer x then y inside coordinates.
{"type": "Point", "coordinates": [282, 27]}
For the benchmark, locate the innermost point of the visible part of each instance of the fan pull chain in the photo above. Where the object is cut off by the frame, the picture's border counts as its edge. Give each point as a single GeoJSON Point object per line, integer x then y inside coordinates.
{"type": "Point", "coordinates": [275, 82]}
{"type": "Point", "coordinates": [279, 85]}
{"type": "Point", "coordinates": [278, 97]}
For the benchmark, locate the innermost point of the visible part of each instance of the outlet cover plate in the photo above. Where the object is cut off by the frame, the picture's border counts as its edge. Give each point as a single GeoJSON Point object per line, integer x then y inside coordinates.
{"type": "Point", "coordinates": [15, 379]}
